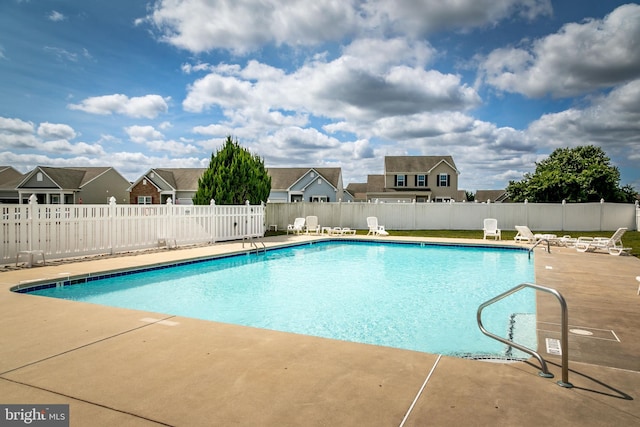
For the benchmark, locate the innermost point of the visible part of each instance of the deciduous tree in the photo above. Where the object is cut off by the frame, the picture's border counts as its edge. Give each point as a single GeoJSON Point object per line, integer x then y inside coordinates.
{"type": "Point", "coordinates": [580, 174]}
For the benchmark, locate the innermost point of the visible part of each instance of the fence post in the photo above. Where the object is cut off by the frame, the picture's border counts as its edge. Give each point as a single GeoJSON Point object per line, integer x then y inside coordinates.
{"type": "Point", "coordinates": [248, 226]}
{"type": "Point", "coordinates": [166, 221]}
{"type": "Point", "coordinates": [112, 223]}
{"type": "Point", "coordinates": [33, 202]}
{"type": "Point", "coordinates": [212, 219]}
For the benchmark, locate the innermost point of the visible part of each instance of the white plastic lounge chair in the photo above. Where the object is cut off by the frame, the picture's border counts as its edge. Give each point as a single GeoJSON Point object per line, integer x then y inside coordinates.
{"type": "Point", "coordinates": [297, 227]}
{"type": "Point", "coordinates": [375, 228]}
{"type": "Point", "coordinates": [341, 231]}
{"type": "Point", "coordinates": [312, 226]}
{"type": "Point", "coordinates": [526, 235]}
{"type": "Point", "coordinates": [612, 244]}
{"type": "Point", "coordinates": [491, 229]}
{"type": "Point", "coordinates": [337, 231]}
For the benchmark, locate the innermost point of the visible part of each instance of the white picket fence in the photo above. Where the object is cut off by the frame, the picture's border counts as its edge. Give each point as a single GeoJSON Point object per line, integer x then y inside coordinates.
{"type": "Point", "coordinates": [63, 231]}
{"type": "Point", "coordinates": [462, 216]}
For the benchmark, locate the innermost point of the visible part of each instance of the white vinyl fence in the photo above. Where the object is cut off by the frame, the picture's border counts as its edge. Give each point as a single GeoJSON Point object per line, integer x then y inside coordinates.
{"type": "Point", "coordinates": [461, 216]}
{"type": "Point", "coordinates": [63, 231]}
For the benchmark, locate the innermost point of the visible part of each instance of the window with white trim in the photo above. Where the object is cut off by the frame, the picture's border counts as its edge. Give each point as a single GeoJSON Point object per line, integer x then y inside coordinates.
{"type": "Point", "coordinates": [144, 200]}
{"type": "Point", "coordinates": [401, 180]}
{"type": "Point", "coordinates": [421, 181]}
{"type": "Point", "coordinates": [444, 180]}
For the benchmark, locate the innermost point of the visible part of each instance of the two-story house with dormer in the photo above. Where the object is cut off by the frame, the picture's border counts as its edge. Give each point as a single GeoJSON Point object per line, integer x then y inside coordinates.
{"type": "Point", "coordinates": [415, 178]}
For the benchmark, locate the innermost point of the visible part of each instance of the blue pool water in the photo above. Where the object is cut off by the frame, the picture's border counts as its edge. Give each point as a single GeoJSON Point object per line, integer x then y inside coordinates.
{"type": "Point", "coordinates": [408, 296]}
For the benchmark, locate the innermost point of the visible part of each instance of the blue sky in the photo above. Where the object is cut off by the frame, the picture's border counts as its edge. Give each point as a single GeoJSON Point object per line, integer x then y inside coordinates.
{"type": "Point", "coordinates": [497, 84]}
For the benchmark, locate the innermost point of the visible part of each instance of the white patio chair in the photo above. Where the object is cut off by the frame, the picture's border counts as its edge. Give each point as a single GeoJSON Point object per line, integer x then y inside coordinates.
{"type": "Point", "coordinates": [491, 229]}
{"type": "Point", "coordinates": [297, 227]}
{"type": "Point", "coordinates": [375, 228]}
{"type": "Point", "coordinates": [312, 226]}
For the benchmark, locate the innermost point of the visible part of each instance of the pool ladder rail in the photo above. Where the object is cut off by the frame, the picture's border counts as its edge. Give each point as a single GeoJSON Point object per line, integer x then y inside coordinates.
{"type": "Point", "coordinates": [252, 241]}
{"type": "Point", "coordinates": [564, 342]}
{"type": "Point", "coordinates": [537, 243]}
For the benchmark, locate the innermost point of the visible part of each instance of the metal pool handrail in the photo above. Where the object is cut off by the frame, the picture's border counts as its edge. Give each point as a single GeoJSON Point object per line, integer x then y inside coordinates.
{"type": "Point", "coordinates": [564, 342]}
{"type": "Point", "coordinates": [537, 243]}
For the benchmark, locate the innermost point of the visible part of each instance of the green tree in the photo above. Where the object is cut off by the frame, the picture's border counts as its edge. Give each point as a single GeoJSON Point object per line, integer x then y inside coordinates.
{"type": "Point", "coordinates": [470, 197]}
{"type": "Point", "coordinates": [233, 177]}
{"type": "Point", "coordinates": [581, 174]}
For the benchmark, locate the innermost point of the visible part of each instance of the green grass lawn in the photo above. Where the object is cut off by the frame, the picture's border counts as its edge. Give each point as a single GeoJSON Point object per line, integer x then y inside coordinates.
{"type": "Point", "coordinates": [631, 239]}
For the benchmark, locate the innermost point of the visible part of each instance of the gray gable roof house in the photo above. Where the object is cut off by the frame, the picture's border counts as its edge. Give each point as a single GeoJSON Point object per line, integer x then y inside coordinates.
{"type": "Point", "coordinates": [157, 185]}
{"type": "Point", "coordinates": [9, 180]}
{"type": "Point", "coordinates": [414, 178]}
{"type": "Point", "coordinates": [91, 185]}
{"type": "Point", "coordinates": [307, 184]}
{"type": "Point", "coordinates": [492, 196]}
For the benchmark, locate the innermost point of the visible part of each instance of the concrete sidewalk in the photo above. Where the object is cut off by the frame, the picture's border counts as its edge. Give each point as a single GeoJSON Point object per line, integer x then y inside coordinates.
{"type": "Point", "coordinates": [132, 368]}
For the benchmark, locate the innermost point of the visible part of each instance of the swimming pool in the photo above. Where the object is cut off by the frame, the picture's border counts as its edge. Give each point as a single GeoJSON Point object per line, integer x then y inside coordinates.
{"type": "Point", "coordinates": [414, 296]}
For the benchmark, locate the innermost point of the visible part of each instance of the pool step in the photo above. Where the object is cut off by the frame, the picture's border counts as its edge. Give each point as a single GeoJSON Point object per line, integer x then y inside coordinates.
{"type": "Point", "coordinates": [522, 330]}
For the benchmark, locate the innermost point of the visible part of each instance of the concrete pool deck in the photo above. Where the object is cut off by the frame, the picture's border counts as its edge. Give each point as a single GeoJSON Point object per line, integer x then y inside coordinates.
{"type": "Point", "coordinates": [131, 368]}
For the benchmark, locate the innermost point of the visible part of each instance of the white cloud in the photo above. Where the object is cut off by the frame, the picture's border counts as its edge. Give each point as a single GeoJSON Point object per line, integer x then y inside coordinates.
{"type": "Point", "coordinates": [15, 126]}
{"type": "Point", "coordinates": [142, 134]}
{"type": "Point", "coordinates": [351, 86]}
{"type": "Point", "coordinates": [148, 106]}
{"type": "Point", "coordinates": [56, 16]}
{"type": "Point", "coordinates": [578, 59]}
{"type": "Point", "coordinates": [427, 16]}
{"type": "Point", "coordinates": [611, 121]}
{"type": "Point", "coordinates": [55, 131]}
{"type": "Point", "coordinates": [62, 146]}
{"type": "Point", "coordinates": [155, 140]}
{"type": "Point", "coordinates": [62, 54]}
{"type": "Point", "coordinates": [244, 25]}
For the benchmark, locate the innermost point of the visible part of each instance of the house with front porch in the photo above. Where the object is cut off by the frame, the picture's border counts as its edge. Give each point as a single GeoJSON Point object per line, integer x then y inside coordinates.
{"type": "Point", "coordinates": [158, 185]}
{"type": "Point", "coordinates": [290, 185]}
{"type": "Point", "coordinates": [73, 185]}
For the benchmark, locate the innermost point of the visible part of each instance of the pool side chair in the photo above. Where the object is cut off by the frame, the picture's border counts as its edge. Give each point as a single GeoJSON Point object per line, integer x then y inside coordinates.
{"type": "Point", "coordinates": [335, 231]}
{"type": "Point", "coordinates": [312, 226]}
{"type": "Point", "coordinates": [297, 227]}
{"type": "Point", "coordinates": [490, 229]}
{"type": "Point", "coordinates": [375, 228]}
{"type": "Point", "coordinates": [526, 235]}
{"type": "Point", "coordinates": [612, 244]}
{"type": "Point", "coordinates": [342, 231]}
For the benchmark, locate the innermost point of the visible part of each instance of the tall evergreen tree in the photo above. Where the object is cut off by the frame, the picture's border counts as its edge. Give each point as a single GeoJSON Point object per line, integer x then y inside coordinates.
{"type": "Point", "coordinates": [233, 177]}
